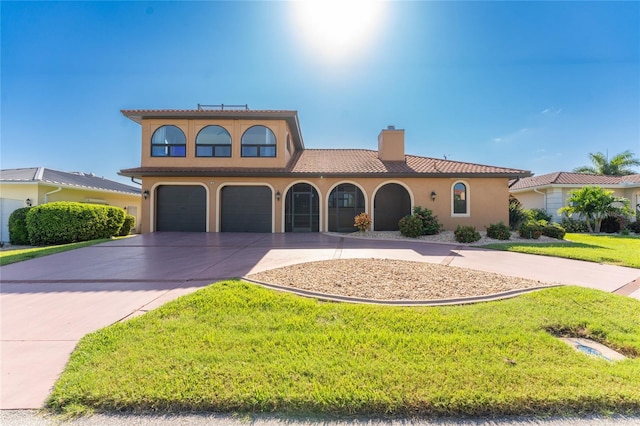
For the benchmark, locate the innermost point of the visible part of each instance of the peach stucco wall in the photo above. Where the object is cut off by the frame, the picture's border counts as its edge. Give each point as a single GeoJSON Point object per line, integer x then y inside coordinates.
{"type": "Point", "coordinates": [236, 129]}
{"type": "Point", "coordinates": [488, 197]}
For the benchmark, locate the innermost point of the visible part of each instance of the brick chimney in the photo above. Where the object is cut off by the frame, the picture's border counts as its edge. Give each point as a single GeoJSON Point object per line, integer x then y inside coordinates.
{"type": "Point", "coordinates": [391, 144]}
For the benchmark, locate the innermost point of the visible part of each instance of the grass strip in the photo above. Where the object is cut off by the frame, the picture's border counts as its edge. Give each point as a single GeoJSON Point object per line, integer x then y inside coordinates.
{"type": "Point", "coordinates": [620, 250]}
{"type": "Point", "coordinates": [12, 256]}
{"type": "Point", "coordinates": [237, 347]}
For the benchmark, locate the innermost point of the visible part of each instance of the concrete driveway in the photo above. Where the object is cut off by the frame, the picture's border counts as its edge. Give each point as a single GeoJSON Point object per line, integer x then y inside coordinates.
{"type": "Point", "coordinates": [48, 304]}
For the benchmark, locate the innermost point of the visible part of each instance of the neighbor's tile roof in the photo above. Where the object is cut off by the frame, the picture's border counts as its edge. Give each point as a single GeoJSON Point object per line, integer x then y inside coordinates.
{"type": "Point", "coordinates": [344, 162]}
{"type": "Point", "coordinates": [56, 177]}
{"type": "Point", "coordinates": [567, 178]}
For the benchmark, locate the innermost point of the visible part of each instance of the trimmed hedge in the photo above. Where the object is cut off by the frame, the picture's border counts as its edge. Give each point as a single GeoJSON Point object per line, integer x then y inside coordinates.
{"type": "Point", "coordinates": [68, 222]}
{"type": "Point", "coordinates": [127, 226]}
{"type": "Point", "coordinates": [18, 234]}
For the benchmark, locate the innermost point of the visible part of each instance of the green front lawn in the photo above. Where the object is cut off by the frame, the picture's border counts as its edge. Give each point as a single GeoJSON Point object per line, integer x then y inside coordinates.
{"type": "Point", "coordinates": [618, 250]}
{"type": "Point", "coordinates": [18, 255]}
{"type": "Point", "coordinates": [237, 347]}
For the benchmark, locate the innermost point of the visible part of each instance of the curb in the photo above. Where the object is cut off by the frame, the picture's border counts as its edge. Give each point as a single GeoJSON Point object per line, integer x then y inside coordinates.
{"type": "Point", "coordinates": [434, 302]}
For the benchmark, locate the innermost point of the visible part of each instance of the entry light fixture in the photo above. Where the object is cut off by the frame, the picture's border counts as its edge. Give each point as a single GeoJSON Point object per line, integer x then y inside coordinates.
{"type": "Point", "coordinates": [145, 194]}
{"type": "Point", "coordinates": [28, 202]}
{"type": "Point", "coordinates": [433, 195]}
{"type": "Point", "coordinates": [277, 195]}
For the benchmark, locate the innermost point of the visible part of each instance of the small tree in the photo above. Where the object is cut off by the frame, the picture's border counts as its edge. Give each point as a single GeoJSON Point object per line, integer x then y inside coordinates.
{"type": "Point", "coordinates": [594, 203]}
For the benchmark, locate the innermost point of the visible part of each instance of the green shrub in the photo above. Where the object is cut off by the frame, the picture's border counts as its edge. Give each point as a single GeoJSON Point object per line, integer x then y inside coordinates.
{"type": "Point", "coordinates": [573, 225]}
{"type": "Point", "coordinates": [115, 219]}
{"type": "Point", "coordinates": [430, 224]}
{"type": "Point", "coordinates": [18, 234]}
{"type": "Point", "coordinates": [411, 226]}
{"type": "Point", "coordinates": [537, 215]}
{"type": "Point", "coordinates": [68, 222]}
{"type": "Point", "coordinates": [421, 222]}
{"type": "Point", "coordinates": [530, 230]}
{"type": "Point", "coordinates": [635, 226]}
{"type": "Point", "coordinates": [554, 231]}
{"type": "Point", "coordinates": [498, 231]}
{"type": "Point", "coordinates": [127, 226]}
{"type": "Point", "coordinates": [516, 214]}
{"type": "Point", "coordinates": [614, 223]}
{"type": "Point", "coordinates": [466, 234]}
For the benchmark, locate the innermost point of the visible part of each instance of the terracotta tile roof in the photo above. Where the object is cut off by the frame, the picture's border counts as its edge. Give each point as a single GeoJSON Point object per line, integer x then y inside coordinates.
{"type": "Point", "coordinates": [631, 178]}
{"type": "Point", "coordinates": [362, 161]}
{"type": "Point", "coordinates": [345, 162]}
{"type": "Point", "coordinates": [568, 178]}
{"type": "Point", "coordinates": [56, 177]}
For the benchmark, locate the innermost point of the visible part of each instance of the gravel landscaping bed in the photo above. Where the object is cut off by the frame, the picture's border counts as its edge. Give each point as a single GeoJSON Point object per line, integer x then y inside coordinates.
{"type": "Point", "coordinates": [386, 279]}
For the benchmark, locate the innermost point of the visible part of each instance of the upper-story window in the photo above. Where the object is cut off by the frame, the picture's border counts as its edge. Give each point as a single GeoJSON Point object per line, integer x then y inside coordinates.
{"type": "Point", "coordinates": [460, 199]}
{"type": "Point", "coordinates": [168, 141]}
{"type": "Point", "coordinates": [258, 141]}
{"type": "Point", "coordinates": [213, 141]}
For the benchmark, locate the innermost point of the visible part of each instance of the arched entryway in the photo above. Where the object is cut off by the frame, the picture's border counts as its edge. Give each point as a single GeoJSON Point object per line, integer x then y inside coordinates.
{"type": "Point", "coordinates": [346, 201]}
{"type": "Point", "coordinates": [392, 202]}
{"type": "Point", "coordinates": [302, 209]}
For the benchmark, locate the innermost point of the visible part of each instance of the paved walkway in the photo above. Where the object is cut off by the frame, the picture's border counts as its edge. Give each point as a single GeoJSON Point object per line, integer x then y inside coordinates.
{"type": "Point", "coordinates": [48, 304]}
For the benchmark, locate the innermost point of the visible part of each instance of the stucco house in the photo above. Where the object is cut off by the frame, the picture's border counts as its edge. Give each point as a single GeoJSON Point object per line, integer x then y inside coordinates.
{"type": "Point", "coordinates": [551, 191]}
{"type": "Point", "coordinates": [38, 185]}
{"type": "Point", "coordinates": [241, 170]}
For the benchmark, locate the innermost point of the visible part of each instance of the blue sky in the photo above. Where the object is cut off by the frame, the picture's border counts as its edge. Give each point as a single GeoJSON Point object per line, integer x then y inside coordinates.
{"type": "Point", "coordinates": [531, 85]}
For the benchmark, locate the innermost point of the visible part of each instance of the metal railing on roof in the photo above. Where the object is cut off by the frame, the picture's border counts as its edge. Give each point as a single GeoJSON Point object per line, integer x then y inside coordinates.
{"type": "Point", "coordinates": [221, 107]}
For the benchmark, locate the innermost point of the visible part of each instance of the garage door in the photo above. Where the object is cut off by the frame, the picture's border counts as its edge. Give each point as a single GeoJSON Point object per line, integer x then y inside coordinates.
{"type": "Point", "coordinates": [391, 204]}
{"type": "Point", "coordinates": [246, 209]}
{"type": "Point", "coordinates": [181, 208]}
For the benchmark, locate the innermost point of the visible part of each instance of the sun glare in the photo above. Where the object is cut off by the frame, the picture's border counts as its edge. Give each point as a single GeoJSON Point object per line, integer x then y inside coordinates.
{"type": "Point", "coordinates": [337, 28]}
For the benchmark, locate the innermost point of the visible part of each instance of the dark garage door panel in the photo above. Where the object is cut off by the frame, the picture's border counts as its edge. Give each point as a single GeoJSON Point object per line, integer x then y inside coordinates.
{"type": "Point", "coordinates": [246, 209]}
{"type": "Point", "coordinates": [181, 208]}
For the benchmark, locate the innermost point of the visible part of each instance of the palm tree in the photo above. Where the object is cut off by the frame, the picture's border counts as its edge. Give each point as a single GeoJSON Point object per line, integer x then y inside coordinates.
{"type": "Point", "coordinates": [618, 166]}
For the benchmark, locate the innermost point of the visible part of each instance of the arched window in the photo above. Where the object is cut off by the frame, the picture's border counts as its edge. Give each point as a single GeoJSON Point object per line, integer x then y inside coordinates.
{"type": "Point", "coordinates": [258, 141]}
{"type": "Point", "coordinates": [168, 141]}
{"type": "Point", "coordinates": [213, 141]}
{"type": "Point", "coordinates": [460, 199]}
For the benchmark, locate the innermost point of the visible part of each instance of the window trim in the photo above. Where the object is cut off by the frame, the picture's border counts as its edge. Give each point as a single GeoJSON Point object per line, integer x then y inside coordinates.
{"type": "Point", "coordinates": [258, 147]}
{"type": "Point", "coordinates": [467, 199]}
{"type": "Point", "coordinates": [168, 146]}
{"type": "Point", "coordinates": [214, 145]}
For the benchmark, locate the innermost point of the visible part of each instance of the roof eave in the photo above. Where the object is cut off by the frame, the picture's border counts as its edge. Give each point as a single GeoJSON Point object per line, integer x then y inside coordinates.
{"type": "Point", "coordinates": [137, 173]}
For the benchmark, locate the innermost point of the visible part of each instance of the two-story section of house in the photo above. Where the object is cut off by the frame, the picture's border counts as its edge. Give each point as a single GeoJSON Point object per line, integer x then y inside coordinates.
{"type": "Point", "coordinates": [242, 170]}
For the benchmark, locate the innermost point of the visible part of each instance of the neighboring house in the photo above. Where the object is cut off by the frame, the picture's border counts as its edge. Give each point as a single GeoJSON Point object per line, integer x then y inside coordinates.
{"type": "Point", "coordinates": [213, 170]}
{"type": "Point", "coordinates": [39, 185]}
{"type": "Point", "coordinates": [551, 191]}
